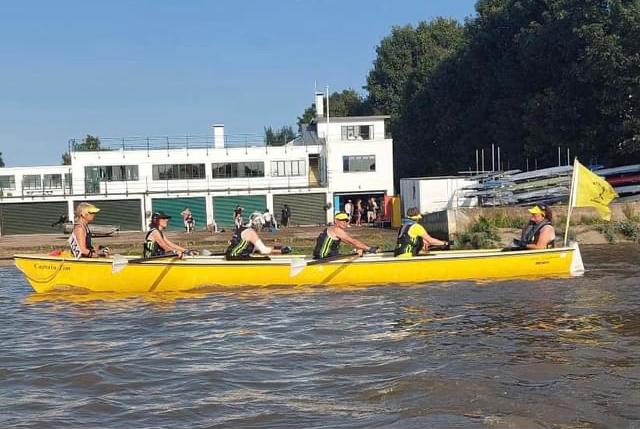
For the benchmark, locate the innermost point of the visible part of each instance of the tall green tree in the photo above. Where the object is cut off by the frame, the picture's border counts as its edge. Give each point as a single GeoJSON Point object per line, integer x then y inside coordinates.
{"type": "Point", "coordinates": [531, 76]}
{"type": "Point", "coordinates": [348, 102]}
{"type": "Point", "coordinates": [1, 160]}
{"type": "Point", "coordinates": [406, 59]}
{"type": "Point", "coordinates": [278, 137]}
{"type": "Point", "coordinates": [89, 143]}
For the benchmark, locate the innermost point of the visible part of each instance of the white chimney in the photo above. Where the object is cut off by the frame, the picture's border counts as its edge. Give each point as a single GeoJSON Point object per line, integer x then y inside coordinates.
{"type": "Point", "coordinates": [319, 104]}
{"type": "Point", "coordinates": [218, 136]}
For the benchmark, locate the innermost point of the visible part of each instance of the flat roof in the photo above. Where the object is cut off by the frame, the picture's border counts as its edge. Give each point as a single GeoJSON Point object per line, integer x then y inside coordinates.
{"type": "Point", "coordinates": [352, 118]}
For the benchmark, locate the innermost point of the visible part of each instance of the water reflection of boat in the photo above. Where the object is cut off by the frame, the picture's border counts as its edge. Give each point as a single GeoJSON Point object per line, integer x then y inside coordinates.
{"type": "Point", "coordinates": [47, 273]}
{"type": "Point", "coordinates": [96, 230]}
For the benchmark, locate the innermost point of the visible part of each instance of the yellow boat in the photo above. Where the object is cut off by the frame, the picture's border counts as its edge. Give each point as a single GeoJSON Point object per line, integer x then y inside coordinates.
{"type": "Point", "coordinates": [50, 273]}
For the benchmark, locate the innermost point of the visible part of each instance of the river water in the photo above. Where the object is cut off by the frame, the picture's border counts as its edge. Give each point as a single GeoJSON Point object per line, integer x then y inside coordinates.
{"type": "Point", "coordinates": [561, 353]}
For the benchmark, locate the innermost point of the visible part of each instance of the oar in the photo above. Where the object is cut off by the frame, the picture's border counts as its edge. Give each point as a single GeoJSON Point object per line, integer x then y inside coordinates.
{"type": "Point", "coordinates": [436, 247]}
{"type": "Point", "coordinates": [120, 262]}
{"type": "Point", "coordinates": [6, 258]}
{"type": "Point", "coordinates": [297, 265]}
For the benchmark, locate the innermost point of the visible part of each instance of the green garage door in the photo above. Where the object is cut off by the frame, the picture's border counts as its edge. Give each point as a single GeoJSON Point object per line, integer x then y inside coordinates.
{"type": "Point", "coordinates": [173, 207]}
{"type": "Point", "coordinates": [306, 209]}
{"type": "Point", "coordinates": [31, 218]}
{"type": "Point", "coordinates": [127, 214]}
{"type": "Point", "coordinates": [223, 208]}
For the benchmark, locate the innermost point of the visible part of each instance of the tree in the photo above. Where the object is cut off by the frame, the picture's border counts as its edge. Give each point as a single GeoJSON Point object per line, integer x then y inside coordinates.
{"type": "Point", "coordinates": [529, 77]}
{"type": "Point", "coordinates": [1, 161]}
{"type": "Point", "coordinates": [307, 116]}
{"type": "Point", "coordinates": [278, 137]}
{"type": "Point", "coordinates": [88, 144]}
{"type": "Point", "coordinates": [345, 103]}
{"type": "Point", "coordinates": [406, 59]}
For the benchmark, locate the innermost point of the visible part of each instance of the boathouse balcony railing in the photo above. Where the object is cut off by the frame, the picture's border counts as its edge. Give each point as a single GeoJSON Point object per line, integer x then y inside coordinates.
{"type": "Point", "coordinates": [187, 142]}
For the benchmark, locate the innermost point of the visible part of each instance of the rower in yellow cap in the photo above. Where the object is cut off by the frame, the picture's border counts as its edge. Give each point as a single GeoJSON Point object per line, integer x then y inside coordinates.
{"type": "Point", "coordinates": [80, 240]}
{"type": "Point", "coordinates": [413, 237]}
{"type": "Point", "coordinates": [328, 242]}
{"type": "Point", "coordinates": [539, 232]}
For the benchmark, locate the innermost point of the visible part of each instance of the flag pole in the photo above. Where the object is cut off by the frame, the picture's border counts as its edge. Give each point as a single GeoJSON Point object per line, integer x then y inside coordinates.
{"type": "Point", "coordinates": [574, 176]}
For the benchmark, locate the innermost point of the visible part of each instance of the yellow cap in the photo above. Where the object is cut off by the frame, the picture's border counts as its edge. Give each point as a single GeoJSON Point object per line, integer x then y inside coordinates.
{"type": "Point", "coordinates": [92, 209]}
{"type": "Point", "coordinates": [536, 210]}
{"type": "Point", "coordinates": [341, 216]}
{"type": "Point", "coordinates": [416, 217]}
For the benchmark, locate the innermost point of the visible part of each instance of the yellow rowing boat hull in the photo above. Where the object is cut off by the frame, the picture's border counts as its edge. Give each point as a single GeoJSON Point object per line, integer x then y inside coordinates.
{"type": "Point", "coordinates": [47, 273]}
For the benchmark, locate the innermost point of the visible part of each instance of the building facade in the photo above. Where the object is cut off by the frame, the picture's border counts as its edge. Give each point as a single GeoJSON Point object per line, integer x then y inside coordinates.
{"type": "Point", "coordinates": [334, 159]}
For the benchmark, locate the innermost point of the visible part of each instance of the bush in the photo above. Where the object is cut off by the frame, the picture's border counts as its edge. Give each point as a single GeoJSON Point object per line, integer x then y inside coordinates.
{"type": "Point", "coordinates": [481, 234]}
{"type": "Point", "coordinates": [628, 228]}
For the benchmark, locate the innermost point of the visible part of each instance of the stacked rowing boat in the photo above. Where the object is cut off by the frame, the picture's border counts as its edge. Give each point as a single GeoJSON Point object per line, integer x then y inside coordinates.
{"type": "Point", "coordinates": [548, 185]}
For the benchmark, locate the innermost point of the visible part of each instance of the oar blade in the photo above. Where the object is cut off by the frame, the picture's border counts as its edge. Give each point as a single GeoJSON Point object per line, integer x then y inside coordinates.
{"type": "Point", "coordinates": [118, 264]}
{"type": "Point", "coordinates": [297, 265]}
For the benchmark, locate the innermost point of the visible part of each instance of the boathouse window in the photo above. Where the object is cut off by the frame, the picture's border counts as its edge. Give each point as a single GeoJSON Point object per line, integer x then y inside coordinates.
{"type": "Point", "coordinates": [228, 170]}
{"type": "Point", "coordinates": [52, 181]}
{"type": "Point", "coordinates": [7, 182]}
{"type": "Point", "coordinates": [178, 171]}
{"type": "Point", "coordinates": [68, 182]}
{"type": "Point", "coordinates": [353, 164]}
{"type": "Point", "coordinates": [357, 132]}
{"type": "Point", "coordinates": [288, 168]}
{"type": "Point", "coordinates": [31, 181]}
{"type": "Point", "coordinates": [112, 173]}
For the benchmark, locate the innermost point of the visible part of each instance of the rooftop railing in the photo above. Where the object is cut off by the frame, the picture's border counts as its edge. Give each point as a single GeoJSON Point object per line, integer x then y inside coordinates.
{"type": "Point", "coordinates": [175, 142]}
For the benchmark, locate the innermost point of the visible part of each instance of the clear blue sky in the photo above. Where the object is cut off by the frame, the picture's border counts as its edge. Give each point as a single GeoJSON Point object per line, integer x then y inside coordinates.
{"type": "Point", "coordinates": [159, 67]}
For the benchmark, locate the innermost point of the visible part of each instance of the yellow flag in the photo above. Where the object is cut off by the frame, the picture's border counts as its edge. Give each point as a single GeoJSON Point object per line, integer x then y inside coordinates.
{"type": "Point", "coordinates": [591, 190]}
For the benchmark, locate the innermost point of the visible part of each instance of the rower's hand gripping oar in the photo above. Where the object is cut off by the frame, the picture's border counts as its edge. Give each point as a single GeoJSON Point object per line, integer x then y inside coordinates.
{"type": "Point", "coordinates": [297, 265]}
{"type": "Point", "coordinates": [120, 262]}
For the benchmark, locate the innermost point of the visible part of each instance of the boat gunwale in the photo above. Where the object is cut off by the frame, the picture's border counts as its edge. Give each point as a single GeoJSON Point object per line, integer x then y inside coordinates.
{"type": "Point", "coordinates": [286, 261]}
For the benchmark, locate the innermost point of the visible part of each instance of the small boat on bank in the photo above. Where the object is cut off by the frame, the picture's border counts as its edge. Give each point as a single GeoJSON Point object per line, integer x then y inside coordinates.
{"type": "Point", "coordinates": [49, 273]}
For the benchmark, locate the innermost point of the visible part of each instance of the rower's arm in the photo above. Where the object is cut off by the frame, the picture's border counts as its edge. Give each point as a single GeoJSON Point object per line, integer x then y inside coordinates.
{"type": "Point", "coordinates": [166, 244]}
{"type": "Point", "coordinates": [341, 234]}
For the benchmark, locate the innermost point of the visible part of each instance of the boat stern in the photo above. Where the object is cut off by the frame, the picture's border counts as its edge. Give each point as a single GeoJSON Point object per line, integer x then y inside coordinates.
{"type": "Point", "coordinates": [577, 267]}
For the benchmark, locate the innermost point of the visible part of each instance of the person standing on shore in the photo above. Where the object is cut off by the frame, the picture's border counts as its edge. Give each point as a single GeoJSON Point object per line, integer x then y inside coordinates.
{"type": "Point", "coordinates": [348, 209]}
{"type": "Point", "coordinates": [285, 215]}
{"type": "Point", "coordinates": [237, 217]}
{"type": "Point", "coordinates": [186, 214]}
{"type": "Point", "coordinates": [80, 239]}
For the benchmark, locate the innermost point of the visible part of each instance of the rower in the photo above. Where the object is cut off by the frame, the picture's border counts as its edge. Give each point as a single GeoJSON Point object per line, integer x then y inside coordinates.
{"type": "Point", "coordinates": [245, 241]}
{"type": "Point", "coordinates": [413, 237]}
{"type": "Point", "coordinates": [539, 232]}
{"type": "Point", "coordinates": [80, 240]}
{"type": "Point", "coordinates": [328, 242]}
{"type": "Point", "coordinates": [155, 242]}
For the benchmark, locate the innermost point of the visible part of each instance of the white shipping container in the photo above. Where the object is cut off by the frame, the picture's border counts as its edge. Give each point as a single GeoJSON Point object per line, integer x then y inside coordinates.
{"type": "Point", "coordinates": [432, 194]}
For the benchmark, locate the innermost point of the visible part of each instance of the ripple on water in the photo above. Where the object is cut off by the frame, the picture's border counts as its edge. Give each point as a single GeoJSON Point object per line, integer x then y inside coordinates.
{"type": "Point", "coordinates": [545, 353]}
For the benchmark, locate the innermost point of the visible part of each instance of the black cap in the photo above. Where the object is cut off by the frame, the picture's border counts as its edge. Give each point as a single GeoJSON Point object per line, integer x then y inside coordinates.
{"type": "Point", "coordinates": [160, 215]}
